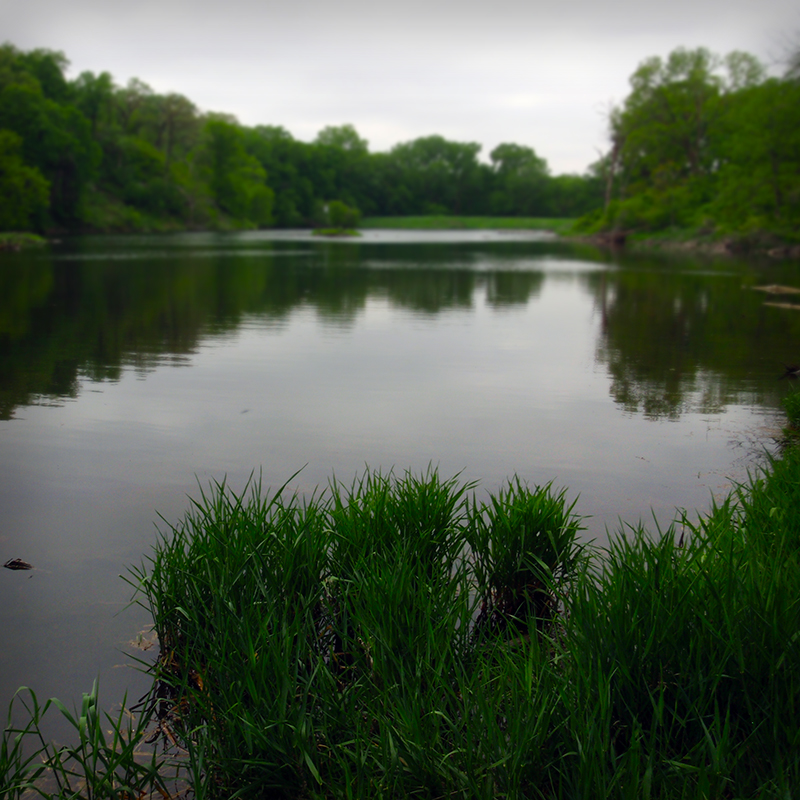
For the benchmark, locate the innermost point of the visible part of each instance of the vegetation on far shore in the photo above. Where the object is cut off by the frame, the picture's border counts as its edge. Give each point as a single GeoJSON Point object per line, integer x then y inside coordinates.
{"type": "Point", "coordinates": [15, 240]}
{"type": "Point", "coordinates": [704, 143]}
{"type": "Point", "coordinates": [88, 155]}
{"type": "Point", "coordinates": [402, 638]}
{"type": "Point", "coordinates": [334, 232]}
{"type": "Point", "coordinates": [441, 222]}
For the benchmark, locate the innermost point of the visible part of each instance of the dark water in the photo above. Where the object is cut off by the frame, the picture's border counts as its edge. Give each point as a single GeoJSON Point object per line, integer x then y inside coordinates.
{"type": "Point", "coordinates": [132, 368]}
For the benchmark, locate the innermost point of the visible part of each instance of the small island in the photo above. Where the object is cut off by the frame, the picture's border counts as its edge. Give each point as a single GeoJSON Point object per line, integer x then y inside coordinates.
{"type": "Point", "coordinates": [337, 219]}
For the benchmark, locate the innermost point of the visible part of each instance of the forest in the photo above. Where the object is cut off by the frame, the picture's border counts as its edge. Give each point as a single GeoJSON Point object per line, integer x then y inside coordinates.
{"type": "Point", "coordinates": [88, 155]}
{"type": "Point", "coordinates": [705, 143]}
{"type": "Point", "coordinates": [702, 142]}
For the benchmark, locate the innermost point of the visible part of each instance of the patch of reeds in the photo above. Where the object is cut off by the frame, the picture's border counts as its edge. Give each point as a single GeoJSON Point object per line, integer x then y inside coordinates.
{"type": "Point", "coordinates": [330, 646]}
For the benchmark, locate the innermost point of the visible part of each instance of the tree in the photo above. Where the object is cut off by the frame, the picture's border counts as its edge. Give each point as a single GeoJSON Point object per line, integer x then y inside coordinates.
{"type": "Point", "coordinates": [341, 216]}
{"type": "Point", "coordinates": [173, 123]}
{"type": "Point", "coordinates": [521, 181]}
{"type": "Point", "coordinates": [236, 179]}
{"type": "Point", "coordinates": [49, 68]}
{"type": "Point", "coordinates": [342, 137]}
{"type": "Point", "coordinates": [23, 191]}
{"type": "Point", "coordinates": [56, 139]}
{"type": "Point", "coordinates": [759, 172]}
{"type": "Point", "coordinates": [439, 172]}
{"type": "Point", "coordinates": [682, 136]}
{"type": "Point", "coordinates": [94, 97]}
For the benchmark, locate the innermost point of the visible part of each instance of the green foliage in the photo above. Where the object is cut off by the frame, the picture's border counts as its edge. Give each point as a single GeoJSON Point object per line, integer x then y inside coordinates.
{"type": "Point", "coordinates": [106, 758]}
{"type": "Point", "coordinates": [523, 544]}
{"type": "Point", "coordinates": [469, 223]}
{"type": "Point", "coordinates": [792, 405]}
{"type": "Point", "coordinates": [162, 164]}
{"type": "Point", "coordinates": [704, 140]}
{"type": "Point", "coordinates": [236, 179]}
{"type": "Point", "coordinates": [338, 216]}
{"type": "Point", "coordinates": [328, 643]}
{"type": "Point", "coordinates": [23, 191]}
{"type": "Point", "coordinates": [56, 140]}
{"type": "Point", "coordinates": [522, 183]}
{"type": "Point", "coordinates": [342, 137]}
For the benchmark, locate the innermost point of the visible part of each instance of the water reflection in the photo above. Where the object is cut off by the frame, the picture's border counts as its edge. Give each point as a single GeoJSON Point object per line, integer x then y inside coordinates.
{"type": "Point", "coordinates": [672, 337]}
{"type": "Point", "coordinates": [677, 339]}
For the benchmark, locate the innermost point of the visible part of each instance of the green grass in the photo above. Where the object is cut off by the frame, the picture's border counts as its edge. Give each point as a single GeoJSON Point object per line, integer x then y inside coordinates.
{"type": "Point", "coordinates": [335, 232]}
{"type": "Point", "coordinates": [791, 404]}
{"type": "Point", "coordinates": [106, 758]}
{"type": "Point", "coordinates": [561, 226]}
{"type": "Point", "coordinates": [402, 637]}
{"type": "Point", "coordinates": [18, 241]}
{"type": "Point", "coordinates": [332, 646]}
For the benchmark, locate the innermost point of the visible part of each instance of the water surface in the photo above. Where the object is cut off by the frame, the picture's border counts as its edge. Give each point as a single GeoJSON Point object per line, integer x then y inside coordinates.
{"type": "Point", "coordinates": [135, 367]}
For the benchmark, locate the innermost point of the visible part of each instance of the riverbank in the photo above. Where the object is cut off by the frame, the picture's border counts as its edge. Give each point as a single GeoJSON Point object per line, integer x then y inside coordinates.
{"type": "Point", "coordinates": [347, 646]}
{"type": "Point", "coordinates": [761, 243]}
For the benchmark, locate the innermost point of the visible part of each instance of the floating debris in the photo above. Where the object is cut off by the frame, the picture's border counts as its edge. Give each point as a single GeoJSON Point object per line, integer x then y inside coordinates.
{"type": "Point", "coordinates": [792, 371]}
{"type": "Point", "coordinates": [790, 306]}
{"type": "Point", "coordinates": [17, 563]}
{"type": "Point", "coordinates": [774, 288]}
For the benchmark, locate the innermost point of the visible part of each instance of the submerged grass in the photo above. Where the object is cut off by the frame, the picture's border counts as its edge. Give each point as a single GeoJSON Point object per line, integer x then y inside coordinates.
{"type": "Point", "coordinates": [397, 637]}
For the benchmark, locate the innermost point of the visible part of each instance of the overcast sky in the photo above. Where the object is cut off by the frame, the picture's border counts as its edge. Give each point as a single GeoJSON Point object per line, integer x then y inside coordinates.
{"type": "Point", "coordinates": [543, 74]}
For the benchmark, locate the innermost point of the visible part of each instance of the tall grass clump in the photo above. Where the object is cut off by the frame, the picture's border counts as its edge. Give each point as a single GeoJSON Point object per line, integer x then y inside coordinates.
{"type": "Point", "coordinates": [523, 546]}
{"type": "Point", "coordinates": [326, 647]}
{"type": "Point", "coordinates": [683, 654]}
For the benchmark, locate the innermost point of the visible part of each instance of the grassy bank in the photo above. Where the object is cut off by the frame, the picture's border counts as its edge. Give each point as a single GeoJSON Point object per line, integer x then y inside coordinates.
{"type": "Point", "coordinates": [399, 637]}
{"type": "Point", "coordinates": [468, 223]}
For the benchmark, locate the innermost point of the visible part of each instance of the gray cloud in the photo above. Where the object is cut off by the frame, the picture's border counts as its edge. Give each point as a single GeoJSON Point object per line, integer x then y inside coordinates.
{"type": "Point", "coordinates": [541, 74]}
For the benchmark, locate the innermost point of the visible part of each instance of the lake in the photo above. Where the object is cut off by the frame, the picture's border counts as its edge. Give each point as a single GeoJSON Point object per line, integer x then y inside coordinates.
{"type": "Point", "coordinates": [136, 370]}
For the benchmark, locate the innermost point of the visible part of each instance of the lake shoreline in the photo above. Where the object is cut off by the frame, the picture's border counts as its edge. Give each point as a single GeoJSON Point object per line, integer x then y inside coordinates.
{"type": "Point", "coordinates": [690, 242]}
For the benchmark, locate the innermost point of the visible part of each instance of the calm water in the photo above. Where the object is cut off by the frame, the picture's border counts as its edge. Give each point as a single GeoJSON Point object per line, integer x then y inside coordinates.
{"type": "Point", "coordinates": [134, 368]}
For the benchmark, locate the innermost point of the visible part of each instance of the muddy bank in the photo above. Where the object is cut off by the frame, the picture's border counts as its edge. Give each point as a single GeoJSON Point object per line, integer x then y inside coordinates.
{"type": "Point", "coordinates": [735, 245]}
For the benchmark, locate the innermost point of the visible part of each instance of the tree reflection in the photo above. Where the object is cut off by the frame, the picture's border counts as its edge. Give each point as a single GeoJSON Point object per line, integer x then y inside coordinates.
{"type": "Point", "coordinates": [90, 309]}
{"type": "Point", "coordinates": [688, 336]}
{"type": "Point", "coordinates": [674, 336]}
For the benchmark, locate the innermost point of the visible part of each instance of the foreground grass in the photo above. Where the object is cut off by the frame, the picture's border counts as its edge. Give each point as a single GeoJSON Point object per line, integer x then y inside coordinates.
{"type": "Point", "coordinates": [468, 223]}
{"type": "Point", "coordinates": [399, 638]}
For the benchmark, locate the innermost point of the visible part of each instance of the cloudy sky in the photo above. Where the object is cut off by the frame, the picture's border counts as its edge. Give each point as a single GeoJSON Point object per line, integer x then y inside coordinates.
{"type": "Point", "coordinates": [543, 74]}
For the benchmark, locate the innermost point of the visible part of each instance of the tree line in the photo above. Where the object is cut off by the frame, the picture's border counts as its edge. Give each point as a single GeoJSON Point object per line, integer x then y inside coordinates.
{"type": "Point", "coordinates": [87, 154]}
{"type": "Point", "coordinates": [704, 142]}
